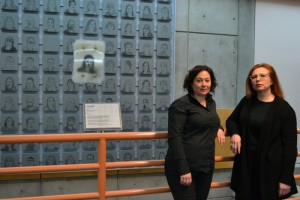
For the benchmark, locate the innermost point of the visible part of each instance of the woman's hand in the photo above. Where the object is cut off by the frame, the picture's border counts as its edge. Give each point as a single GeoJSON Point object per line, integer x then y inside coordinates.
{"type": "Point", "coordinates": [283, 189]}
{"type": "Point", "coordinates": [221, 136]}
{"type": "Point", "coordinates": [186, 179]}
{"type": "Point", "coordinates": [235, 143]}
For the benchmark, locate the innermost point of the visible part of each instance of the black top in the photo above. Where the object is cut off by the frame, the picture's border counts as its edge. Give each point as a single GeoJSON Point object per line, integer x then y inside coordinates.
{"type": "Point", "coordinates": [192, 129]}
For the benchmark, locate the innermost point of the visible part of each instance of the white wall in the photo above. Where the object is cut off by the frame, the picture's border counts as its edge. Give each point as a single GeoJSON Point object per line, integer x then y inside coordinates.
{"type": "Point", "coordinates": [277, 42]}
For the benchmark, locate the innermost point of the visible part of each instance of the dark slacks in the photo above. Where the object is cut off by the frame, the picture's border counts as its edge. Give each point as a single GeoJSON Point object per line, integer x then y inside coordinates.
{"type": "Point", "coordinates": [198, 190]}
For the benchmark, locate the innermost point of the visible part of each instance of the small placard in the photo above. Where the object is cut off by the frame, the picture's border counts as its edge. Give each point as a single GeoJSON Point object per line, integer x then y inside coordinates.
{"type": "Point", "coordinates": [102, 116]}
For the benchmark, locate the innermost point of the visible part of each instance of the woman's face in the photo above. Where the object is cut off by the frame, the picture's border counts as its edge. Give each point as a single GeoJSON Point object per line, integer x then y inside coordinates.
{"type": "Point", "coordinates": [8, 44]}
{"type": "Point", "coordinates": [9, 83]}
{"type": "Point", "coordinates": [50, 23]}
{"type": "Point", "coordinates": [70, 84]}
{"type": "Point", "coordinates": [128, 28]}
{"type": "Point", "coordinates": [146, 11]}
{"type": "Point", "coordinates": [51, 4]}
{"type": "Point", "coordinates": [93, 25]}
{"type": "Point", "coordinates": [263, 82]}
{"type": "Point", "coordinates": [51, 102]}
{"type": "Point", "coordinates": [145, 66]}
{"type": "Point", "coordinates": [89, 62]}
{"type": "Point", "coordinates": [129, 9]}
{"type": "Point", "coordinates": [146, 31]}
{"type": "Point", "coordinates": [29, 83]}
{"type": "Point", "coordinates": [202, 84]}
{"type": "Point", "coordinates": [9, 122]}
{"type": "Point", "coordinates": [51, 160]}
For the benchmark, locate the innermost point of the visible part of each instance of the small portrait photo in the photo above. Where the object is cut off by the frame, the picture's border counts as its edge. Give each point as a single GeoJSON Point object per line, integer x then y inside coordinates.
{"type": "Point", "coordinates": [9, 148]}
{"type": "Point", "coordinates": [128, 66]}
{"type": "Point", "coordinates": [50, 103]}
{"type": "Point", "coordinates": [9, 44]}
{"type": "Point", "coordinates": [128, 28]}
{"type": "Point", "coordinates": [89, 157]}
{"type": "Point", "coordinates": [146, 11]}
{"type": "Point", "coordinates": [160, 154]}
{"type": "Point", "coordinates": [51, 146]}
{"type": "Point", "coordinates": [161, 144]}
{"type": "Point", "coordinates": [30, 123]}
{"type": "Point", "coordinates": [110, 8]}
{"type": "Point", "coordinates": [145, 48]}
{"type": "Point", "coordinates": [110, 27]}
{"type": "Point", "coordinates": [71, 25]}
{"type": "Point", "coordinates": [30, 23]}
{"type": "Point", "coordinates": [164, 12]}
{"type": "Point", "coordinates": [70, 158]}
{"type": "Point", "coordinates": [51, 6]}
{"type": "Point", "coordinates": [70, 146]}
{"type": "Point", "coordinates": [10, 5]}
{"type": "Point", "coordinates": [9, 62]}
{"type": "Point", "coordinates": [127, 155]}
{"type": "Point", "coordinates": [88, 65]}
{"type": "Point", "coordinates": [162, 103]}
{"type": "Point", "coordinates": [163, 67]}
{"type": "Point", "coordinates": [90, 98]}
{"type": "Point", "coordinates": [9, 102]}
{"type": "Point", "coordinates": [30, 83]}
{"type": "Point", "coordinates": [68, 63]}
{"type": "Point", "coordinates": [51, 84]}
{"type": "Point", "coordinates": [109, 85]}
{"type": "Point", "coordinates": [111, 145]}
{"type": "Point", "coordinates": [10, 123]}
{"type": "Point", "coordinates": [50, 125]}
{"type": "Point", "coordinates": [164, 31]}
{"type": "Point", "coordinates": [9, 83]}
{"type": "Point", "coordinates": [9, 22]}
{"type": "Point", "coordinates": [128, 9]}
{"type": "Point", "coordinates": [145, 144]}
{"type": "Point", "coordinates": [51, 159]}
{"type": "Point", "coordinates": [30, 63]}
{"type": "Point", "coordinates": [128, 48]}
{"type": "Point", "coordinates": [51, 24]}
{"type": "Point", "coordinates": [110, 65]}
{"type": "Point", "coordinates": [145, 155]}
{"type": "Point", "coordinates": [145, 67]}
{"type": "Point", "coordinates": [127, 85]}
{"type": "Point", "coordinates": [111, 47]}
{"type": "Point", "coordinates": [31, 5]}
{"type": "Point", "coordinates": [127, 103]}
{"type": "Point", "coordinates": [90, 88]}
{"type": "Point", "coordinates": [91, 26]}
{"type": "Point", "coordinates": [145, 124]}
{"type": "Point", "coordinates": [51, 63]}
{"type": "Point", "coordinates": [71, 103]}
{"type": "Point", "coordinates": [163, 85]}
{"type": "Point", "coordinates": [109, 98]}
{"type": "Point", "coordinates": [31, 147]}
{"type": "Point", "coordinates": [161, 122]}
{"type": "Point", "coordinates": [128, 122]}
{"type": "Point", "coordinates": [89, 145]}
{"type": "Point", "coordinates": [127, 144]}
{"type": "Point", "coordinates": [111, 156]}
{"type": "Point", "coordinates": [10, 160]}
{"type": "Point", "coordinates": [71, 7]}
{"type": "Point", "coordinates": [30, 103]}
{"type": "Point", "coordinates": [69, 85]}
{"type": "Point", "coordinates": [30, 43]}
{"type": "Point", "coordinates": [146, 30]}
{"type": "Point", "coordinates": [145, 85]}
{"type": "Point", "coordinates": [163, 49]}
{"type": "Point", "coordinates": [71, 123]}
{"type": "Point", "coordinates": [91, 7]}
{"type": "Point", "coordinates": [145, 103]}
{"type": "Point", "coordinates": [30, 159]}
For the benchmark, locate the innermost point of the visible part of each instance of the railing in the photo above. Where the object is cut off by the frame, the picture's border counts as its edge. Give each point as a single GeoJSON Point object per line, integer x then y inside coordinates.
{"type": "Point", "coordinates": [100, 167]}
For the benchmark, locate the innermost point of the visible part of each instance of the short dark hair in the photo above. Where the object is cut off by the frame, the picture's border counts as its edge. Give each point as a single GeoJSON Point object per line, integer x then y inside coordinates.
{"type": "Point", "coordinates": [189, 78]}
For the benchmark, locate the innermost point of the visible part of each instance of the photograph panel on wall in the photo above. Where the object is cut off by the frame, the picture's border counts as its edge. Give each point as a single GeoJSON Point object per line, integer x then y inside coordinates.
{"type": "Point", "coordinates": [145, 103]}
{"type": "Point", "coordinates": [71, 7]}
{"type": "Point", "coordinates": [30, 123]}
{"type": "Point", "coordinates": [164, 12]}
{"type": "Point", "coordinates": [127, 84]}
{"type": "Point", "coordinates": [30, 43]}
{"type": "Point", "coordinates": [30, 147]}
{"type": "Point", "coordinates": [10, 6]}
{"type": "Point", "coordinates": [30, 103]}
{"type": "Point", "coordinates": [68, 62]}
{"type": "Point", "coordinates": [9, 102]}
{"type": "Point", "coordinates": [90, 88]}
{"type": "Point", "coordinates": [54, 45]}
{"type": "Point", "coordinates": [70, 122]}
{"type": "Point", "coordinates": [51, 24]}
{"type": "Point", "coordinates": [146, 11]}
{"type": "Point", "coordinates": [161, 121]}
{"type": "Point", "coordinates": [10, 160]}
{"type": "Point", "coordinates": [50, 103]}
{"type": "Point", "coordinates": [51, 159]}
{"type": "Point", "coordinates": [30, 23]}
{"type": "Point", "coordinates": [30, 159]}
{"type": "Point", "coordinates": [160, 154]}
{"type": "Point", "coordinates": [145, 155]}
{"type": "Point", "coordinates": [162, 103]}
{"type": "Point", "coordinates": [146, 30]}
{"type": "Point", "coordinates": [109, 84]}
{"type": "Point", "coordinates": [69, 86]}
{"type": "Point", "coordinates": [163, 49]}
{"type": "Point", "coordinates": [145, 122]}
{"type": "Point", "coordinates": [146, 49]}
{"type": "Point", "coordinates": [9, 148]}
{"type": "Point", "coordinates": [111, 145]}
{"type": "Point", "coordinates": [163, 85]}
{"type": "Point", "coordinates": [71, 25]}
{"type": "Point", "coordinates": [127, 103]}
{"type": "Point", "coordinates": [163, 67]}
{"type": "Point", "coordinates": [145, 85]}
{"type": "Point", "coordinates": [51, 83]}
{"type": "Point", "coordinates": [50, 63]}
{"type": "Point", "coordinates": [164, 30]}
{"type": "Point", "coordinates": [111, 64]}
{"type": "Point", "coordinates": [89, 157]}
{"type": "Point", "coordinates": [30, 83]}
{"type": "Point", "coordinates": [30, 63]}
{"type": "Point", "coordinates": [111, 156]}
{"type": "Point", "coordinates": [128, 28]}
{"type": "Point", "coordinates": [70, 158]}
{"type": "Point", "coordinates": [9, 22]}
{"type": "Point", "coordinates": [31, 6]}
{"type": "Point", "coordinates": [51, 6]}
{"type": "Point", "coordinates": [9, 43]}
{"type": "Point", "coordinates": [68, 44]}
{"type": "Point", "coordinates": [9, 62]}
{"type": "Point", "coordinates": [111, 47]}
{"type": "Point", "coordinates": [50, 123]}
{"type": "Point", "coordinates": [128, 48]}
{"type": "Point", "coordinates": [128, 122]}
{"type": "Point", "coordinates": [110, 8]}
{"type": "Point", "coordinates": [128, 9]}
{"type": "Point", "coordinates": [70, 146]}
{"type": "Point", "coordinates": [145, 144]}
{"type": "Point", "coordinates": [128, 66]}
{"type": "Point", "coordinates": [71, 103]}
{"type": "Point", "coordinates": [110, 27]}
{"type": "Point", "coordinates": [10, 123]}
{"type": "Point", "coordinates": [91, 8]}
{"type": "Point", "coordinates": [146, 67]}
{"type": "Point", "coordinates": [89, 146]}
{"type": "Point", "coordinates": [127, 144]}
{"type": "Point", "coordinates": [128, 155]}
{"type": "Point", "coordinates": [90, 98]}
{"type": "Point", "coordinates": [161, 144]}
{"type": "Point", "coordinates": [9, 83]}
{"type": "Point", "coordinates": [109, 98]}
{"type": "Point", "coordinates": [90, 26]}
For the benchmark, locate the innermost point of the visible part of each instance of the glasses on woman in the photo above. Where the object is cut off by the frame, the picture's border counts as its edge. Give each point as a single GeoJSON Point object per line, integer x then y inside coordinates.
{"type": "Point", "coordinates": [261, 76]}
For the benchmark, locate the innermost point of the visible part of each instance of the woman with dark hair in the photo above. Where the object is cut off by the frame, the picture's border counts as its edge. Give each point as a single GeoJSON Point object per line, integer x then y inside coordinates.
{"type": "Point", "coordinates": [88, 65]}
{"type": "Point", "coordinates": [263, 130]}
{"type": "Point", "coordinates": [193, 126]}
{"type": "Point", "coordinates": [9, 45]}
